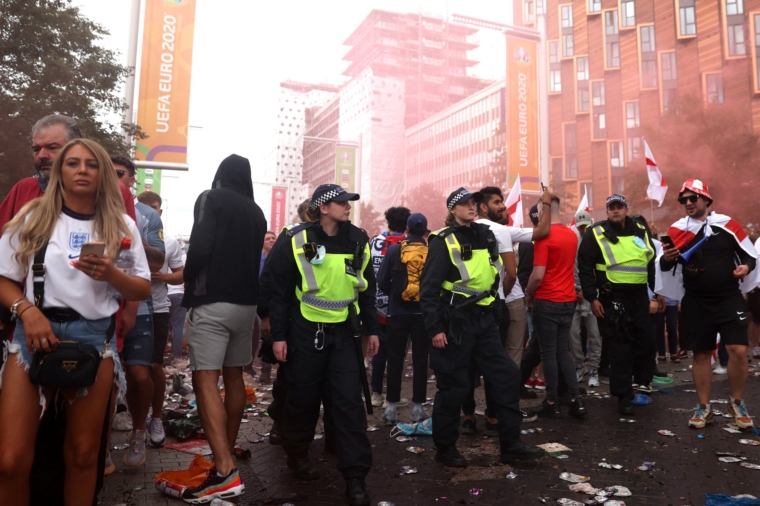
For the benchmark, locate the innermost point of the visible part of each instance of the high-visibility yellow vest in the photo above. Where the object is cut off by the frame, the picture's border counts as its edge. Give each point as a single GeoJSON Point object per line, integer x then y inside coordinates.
{"type": "Point", "coordinates": [625, 261]}
{"type": "Point", "coordinates": [327, 289]}
{"type": "Point", "coordinates": [477, 274]}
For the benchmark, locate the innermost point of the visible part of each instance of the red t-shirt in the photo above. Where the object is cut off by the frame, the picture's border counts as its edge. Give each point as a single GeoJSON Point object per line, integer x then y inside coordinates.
{"type": "Point", "coordinates": [557, 253]}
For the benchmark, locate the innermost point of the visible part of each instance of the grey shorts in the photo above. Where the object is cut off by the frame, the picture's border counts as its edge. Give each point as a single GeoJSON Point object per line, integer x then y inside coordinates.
{"type": "Point", "coordinates": [219, 335]}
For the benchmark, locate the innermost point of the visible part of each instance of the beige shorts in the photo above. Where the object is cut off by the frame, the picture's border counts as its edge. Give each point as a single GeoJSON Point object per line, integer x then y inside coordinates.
{"type": "Point", "coordinates": [219, 335]}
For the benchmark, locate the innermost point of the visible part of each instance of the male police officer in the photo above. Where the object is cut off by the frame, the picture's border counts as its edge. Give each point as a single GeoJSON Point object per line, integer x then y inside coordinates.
{"type": "Point", "coordinates": [458, 299]}
{"type": "Point", "coordinates": [615, 264]}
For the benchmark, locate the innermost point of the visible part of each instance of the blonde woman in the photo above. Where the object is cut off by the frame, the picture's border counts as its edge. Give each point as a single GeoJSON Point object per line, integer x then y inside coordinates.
{"type": "Point", "coordinates": [83, 203]}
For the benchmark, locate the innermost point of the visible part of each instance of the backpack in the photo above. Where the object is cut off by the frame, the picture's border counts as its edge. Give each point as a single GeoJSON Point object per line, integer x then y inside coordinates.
{"type": "Point", "coordinates": [406, 278]}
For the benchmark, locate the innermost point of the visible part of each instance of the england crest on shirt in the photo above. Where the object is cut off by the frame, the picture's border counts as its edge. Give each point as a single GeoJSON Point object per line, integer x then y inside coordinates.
{"type": "Point", "coordinates": [77, 239]}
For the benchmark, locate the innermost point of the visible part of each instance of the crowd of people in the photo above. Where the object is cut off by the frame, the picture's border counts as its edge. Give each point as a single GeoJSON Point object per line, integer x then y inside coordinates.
{"type": "Point", "coordinates": [92, 289]}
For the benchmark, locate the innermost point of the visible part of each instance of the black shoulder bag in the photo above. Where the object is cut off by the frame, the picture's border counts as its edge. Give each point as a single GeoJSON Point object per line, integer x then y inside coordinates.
{"type": "Point", "coordinates": [72, 364]}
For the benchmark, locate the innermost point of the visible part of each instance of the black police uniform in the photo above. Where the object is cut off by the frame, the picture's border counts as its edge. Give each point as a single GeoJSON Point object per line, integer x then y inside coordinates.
{"type": "Point", "coordinates": [308, 367]}
{"type": "Point", "coordinates": [480, 343]}
{"type": "Point", "coordinates": [630, 342]}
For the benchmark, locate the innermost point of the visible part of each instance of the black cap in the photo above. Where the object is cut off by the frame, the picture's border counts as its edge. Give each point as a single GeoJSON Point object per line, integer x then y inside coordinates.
{"type": "Point", "coordinates": [417, 224]}
{"type": "Point", "coordinates": [462, 195]}
{"type": "Point", "coordinates": [616, 198]}
{"type": "Point", "coordinates": [534, 214]}
{"type": "Point", "coordinates": [330, 192]}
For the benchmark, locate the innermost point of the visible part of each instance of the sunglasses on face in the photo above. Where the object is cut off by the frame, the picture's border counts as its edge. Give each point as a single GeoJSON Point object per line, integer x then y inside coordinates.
{"type": "Point", "coordinates": [120, 173]}
{"type": "Point", "coordinates": [691, 198]}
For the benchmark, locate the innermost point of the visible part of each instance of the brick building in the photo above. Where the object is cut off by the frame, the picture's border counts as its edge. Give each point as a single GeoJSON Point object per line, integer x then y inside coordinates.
{"type": "Point", "coordinates": [615, 65]}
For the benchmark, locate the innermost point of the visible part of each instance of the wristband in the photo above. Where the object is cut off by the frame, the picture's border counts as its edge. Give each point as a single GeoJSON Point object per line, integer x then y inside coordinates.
{"type": "Point", "coordinates": [24, 311]}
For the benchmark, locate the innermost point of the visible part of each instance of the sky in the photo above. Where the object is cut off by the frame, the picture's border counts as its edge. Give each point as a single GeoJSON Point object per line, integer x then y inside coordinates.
{"type": "Point", "coordinates": [242, 51]}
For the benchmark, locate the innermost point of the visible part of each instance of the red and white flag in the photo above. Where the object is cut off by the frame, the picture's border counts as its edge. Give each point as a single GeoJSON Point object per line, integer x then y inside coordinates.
{"type": "Point", "coordinates": [583, 206]}
{"type": "Point", "coordinates": [657, 185]}
{"type": "Point", "coordinates": [514, 204]}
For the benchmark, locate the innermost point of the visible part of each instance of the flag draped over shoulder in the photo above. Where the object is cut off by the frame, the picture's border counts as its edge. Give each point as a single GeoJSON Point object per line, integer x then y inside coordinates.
{"type": "Point", "coordinates": [683, 232]}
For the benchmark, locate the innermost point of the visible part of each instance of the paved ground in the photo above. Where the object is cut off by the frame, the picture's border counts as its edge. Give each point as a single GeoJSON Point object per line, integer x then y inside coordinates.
{"type": "Point", "coordinates": [686, 466]}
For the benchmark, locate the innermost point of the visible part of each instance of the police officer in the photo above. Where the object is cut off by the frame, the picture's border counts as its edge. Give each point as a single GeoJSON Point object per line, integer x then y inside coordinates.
{"type": "Point", "coordinates": [321, 279]}
{"type": "Point", "coordinates": [458, 301]}
{"type": "Point", "coordinates": [615, 264]}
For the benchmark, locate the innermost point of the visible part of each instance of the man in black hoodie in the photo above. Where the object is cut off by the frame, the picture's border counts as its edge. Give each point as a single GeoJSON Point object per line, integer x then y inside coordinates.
{"type": "Point", "coordinates": [221, 291]}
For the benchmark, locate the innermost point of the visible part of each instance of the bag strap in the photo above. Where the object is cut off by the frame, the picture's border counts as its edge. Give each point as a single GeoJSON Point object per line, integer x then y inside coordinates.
{"type": "Point", "coordinates": [38, 275]}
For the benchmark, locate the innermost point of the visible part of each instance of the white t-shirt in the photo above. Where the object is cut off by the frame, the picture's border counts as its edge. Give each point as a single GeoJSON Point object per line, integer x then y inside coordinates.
{"type": "Point", "coordinates": [66, 286]}
{"type": "Point", "coordinates": [518, 235]}
{"type": "Point", "coordinates": [504, 240]}
{"type": "Point", "coordinates": [180, 288]}
{"type": "Point", "coordinates": [160, 290]}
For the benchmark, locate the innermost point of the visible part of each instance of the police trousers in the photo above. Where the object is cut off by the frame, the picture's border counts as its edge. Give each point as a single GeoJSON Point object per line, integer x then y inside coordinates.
{"type": "Point", "coordinates": [629, 335]}
{"type": "Point", "coordinates": [307, 371]}
{"type": "Point", "coordinates": [481, 345]}
{"type": "Point", "coordinates": [280, 394]}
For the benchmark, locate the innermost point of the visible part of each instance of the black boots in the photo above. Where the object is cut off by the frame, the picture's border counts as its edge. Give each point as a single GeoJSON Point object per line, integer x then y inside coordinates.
{"type": "Point", "coordinates": [275, 438]}
{"type": "Point", "coordinates": [302, 467]}
{"type": "Point", "coordinates": [517, 450]}
{"type": "Point", "coordinates": [356, 492]}
{"type": "Point", "coordinates": [577, 408]}
{"type": "Point", "coordinates": [625, 406]}
{"type": "Point", "coordinates": [450, 456]}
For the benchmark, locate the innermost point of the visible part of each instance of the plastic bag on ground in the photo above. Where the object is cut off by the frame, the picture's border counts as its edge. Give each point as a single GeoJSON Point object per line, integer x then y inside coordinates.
{"type": "Point", "coordinates": [424, 428]}
{"type": "Point", "coordinates": [190, 477]}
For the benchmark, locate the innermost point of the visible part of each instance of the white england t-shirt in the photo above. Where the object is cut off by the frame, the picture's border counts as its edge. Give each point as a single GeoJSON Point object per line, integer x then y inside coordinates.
{"type": "Point", "coordinates": [504, 240]}
{"type": "Point", "coordinates": [160, 290]}
{"type": "Point", "coordinates": [180, 288]}
{"type": "Point", "coordinates": [65, 286]}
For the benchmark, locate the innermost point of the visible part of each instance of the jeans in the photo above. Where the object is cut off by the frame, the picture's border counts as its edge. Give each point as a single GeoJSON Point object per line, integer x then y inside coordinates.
{"type": "Point", "coordinates": [177, 314]}
{"type": "Point", "coordinates": [552, 321]}
{"type": "Point", "coordinates": [594, 339]}
{"type": "Point", "coordinates": [379, 360]}
{"type": "Point", "coordinates": [402, 329]}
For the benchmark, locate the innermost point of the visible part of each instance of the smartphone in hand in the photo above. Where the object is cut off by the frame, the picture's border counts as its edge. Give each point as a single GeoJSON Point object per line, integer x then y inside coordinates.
{"type": "Point", "coordinates": [93, 248]}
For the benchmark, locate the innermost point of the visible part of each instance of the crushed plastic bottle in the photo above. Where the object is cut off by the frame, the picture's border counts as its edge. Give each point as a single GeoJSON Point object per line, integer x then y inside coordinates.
{"type": "Point", "coordinates": [124, 261]}
{"type": "Point", "coordinates": [573, 478]}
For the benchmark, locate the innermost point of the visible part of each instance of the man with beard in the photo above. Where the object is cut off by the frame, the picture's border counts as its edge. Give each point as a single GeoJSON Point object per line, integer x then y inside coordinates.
{"type": "Point", "coordinates": [712, 256]}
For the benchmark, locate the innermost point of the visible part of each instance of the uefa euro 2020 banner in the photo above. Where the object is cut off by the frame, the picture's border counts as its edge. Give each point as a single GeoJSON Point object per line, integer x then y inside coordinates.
{"type": "Point", "coordinates": [164, 97]}
{"type": "Point", "coordinates": [522, 112]}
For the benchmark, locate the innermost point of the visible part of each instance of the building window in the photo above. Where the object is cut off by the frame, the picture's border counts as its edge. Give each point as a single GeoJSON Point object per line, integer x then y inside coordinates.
{"type": "Point", "coordinates": [736, 45]}
{"type": "Point", "coordinates": [714, 88]}
{"type": "Point", "coordinates": [616, 154]}
{"type": "Point", "coordinates": [628, 13]}
{"type": "Point", "coordinates": [597, 89]}
{"type": "Point", "coordinates": [632, 115]}
{"type": "Point", "coordinates": [583, 105]}
{"type": "Point", "coordinates": [669, 72]}
{"type": "Point", "coordinates": [555, 81]}
{"type": "Point", "coordinates": [634, 148]}
{"type": "Point", "coordinates": [568, 43]}
{"type": "Point", "coordinates": [611, 22]}
{"type": "Point", "coordinates": [669, 98]}
{"type": "Point", "coordinates": [571, 152]}
{"type": "Point", "coordinates": [613, 54]}
{"type": "Point", "coordinates": [687, 18]}
{"type": "Point", "coordinates": [529, 11]}
{"type": "Point", "coordinates": [553, 52]}
{"type": "Point", "coordinates": [734, 7]}
{"type": "Point", "coordinates": [647, 39]}
{"type": "Point", "coordinates": [581, 68]}
{"type": "Point", "coordinates": [594, 5]}
{"type": "Point", "coordinates": [600, 123]}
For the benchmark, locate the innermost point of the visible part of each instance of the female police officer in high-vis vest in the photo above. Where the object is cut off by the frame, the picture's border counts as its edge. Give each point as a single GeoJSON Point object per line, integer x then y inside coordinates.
{"type": "Point", "coordinates": [458, 301]}
{"type": "Point", "coordinates": [321, 280]}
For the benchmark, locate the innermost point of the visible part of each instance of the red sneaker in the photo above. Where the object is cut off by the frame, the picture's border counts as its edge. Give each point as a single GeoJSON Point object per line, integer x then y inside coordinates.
{"type": "Point", "coordinates": [540, 384]}
{"type": "Point", "coordinates": [531, 383]}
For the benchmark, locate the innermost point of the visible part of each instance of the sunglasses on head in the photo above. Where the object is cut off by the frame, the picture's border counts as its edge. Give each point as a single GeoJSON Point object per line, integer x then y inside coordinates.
{"type": "Point", "coordinates": [691, 198]}
{"type": "Point", "coordinates": [120, 173]}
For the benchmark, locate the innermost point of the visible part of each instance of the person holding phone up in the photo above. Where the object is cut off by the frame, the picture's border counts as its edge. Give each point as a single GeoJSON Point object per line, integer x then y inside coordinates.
{"type": "Point", "coordinates": [81, 205]}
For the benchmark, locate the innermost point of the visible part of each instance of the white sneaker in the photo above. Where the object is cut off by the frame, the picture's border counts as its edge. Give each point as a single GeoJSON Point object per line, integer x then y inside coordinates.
{"type": "Point", "coordinates": [156, 432]}
{"type": "Point", "coordinates": [377, 399]}
{"type": "Point", "coordinates": [579, 373]}
{"type": "Point", "coordinates": [720, 370]}
{"type": "Point", "coordinates": [122, 421]}
{"type": "Point", "coordinates": [593, 378]}
{"type": "Point", "coordinates": [400, 404]}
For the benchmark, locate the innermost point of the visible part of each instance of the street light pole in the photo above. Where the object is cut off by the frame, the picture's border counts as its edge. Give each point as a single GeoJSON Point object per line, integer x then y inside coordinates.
{"type": "Point", "coordinates": [129, 86]}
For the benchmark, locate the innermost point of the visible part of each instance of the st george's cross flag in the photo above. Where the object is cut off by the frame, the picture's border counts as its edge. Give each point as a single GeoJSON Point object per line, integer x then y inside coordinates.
{"type": "Point", "coordinates": [583, 206]}
{"type": "Point", "coordinates": [657, 185]}
{"type": "Point", "coordinates": [514, 204]}
{"type": "Point", "coordinates": [683, 232]}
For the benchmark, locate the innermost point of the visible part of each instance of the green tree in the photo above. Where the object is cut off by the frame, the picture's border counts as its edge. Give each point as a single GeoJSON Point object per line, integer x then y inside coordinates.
{"type": "Point", "coordinates": [51, 62]}
{"type": "Point", "coordinates": [714, 143]}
